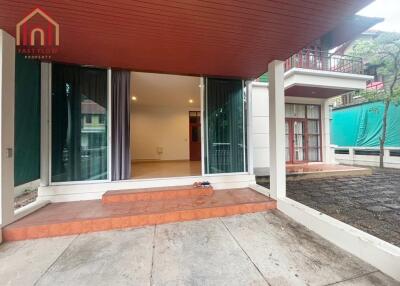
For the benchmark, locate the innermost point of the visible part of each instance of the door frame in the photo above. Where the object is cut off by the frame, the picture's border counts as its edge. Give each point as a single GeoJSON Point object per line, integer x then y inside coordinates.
{"type": "Point", "coordinates": [46, 134]}
{"type": "Point", "coordinates": [199, 125]}
{"type": "Point", "coordinates": [291, 121]}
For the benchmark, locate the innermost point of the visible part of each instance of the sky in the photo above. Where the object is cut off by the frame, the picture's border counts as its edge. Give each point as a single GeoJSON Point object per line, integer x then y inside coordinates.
{"type": "Point", "coordinates": [388, 9]}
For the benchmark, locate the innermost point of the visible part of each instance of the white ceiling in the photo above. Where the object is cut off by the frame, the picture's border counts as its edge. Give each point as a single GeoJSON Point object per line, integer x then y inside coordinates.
{"type": "Point", "coordinates": [165, 90]}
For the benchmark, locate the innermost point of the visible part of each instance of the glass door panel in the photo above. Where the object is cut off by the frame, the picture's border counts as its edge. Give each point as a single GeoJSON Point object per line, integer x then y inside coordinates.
{"type": "Point", "coordinates": [288, 156]}
{"type": "Point", "coordinates": [79, 124]}
{"type": "Point", "coordinates": [299, 140]}
{"type": "Point", "coordinates": [224, 126]}
{"type": "Point", "coordinates": [314, 139]}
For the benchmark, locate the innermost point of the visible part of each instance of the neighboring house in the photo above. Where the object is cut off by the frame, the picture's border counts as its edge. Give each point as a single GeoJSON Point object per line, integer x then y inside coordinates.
{"type": "Point", "coordinates": [368, 69]}
{"type": "Point", "coordinates": [357, 123]}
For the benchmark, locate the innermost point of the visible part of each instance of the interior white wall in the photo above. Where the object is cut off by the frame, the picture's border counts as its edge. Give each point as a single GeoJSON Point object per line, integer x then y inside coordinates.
{"type": "Point", "coordinates": [156, 128]}
{"type": "Point", "coordinates": [160, 127]}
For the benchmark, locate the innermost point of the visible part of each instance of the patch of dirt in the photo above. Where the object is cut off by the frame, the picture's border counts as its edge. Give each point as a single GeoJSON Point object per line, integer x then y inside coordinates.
{"type": "Point", "coordinates": [29, 196]}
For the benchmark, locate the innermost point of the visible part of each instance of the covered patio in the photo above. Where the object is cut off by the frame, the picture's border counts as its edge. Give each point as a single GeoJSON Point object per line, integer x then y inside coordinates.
{"type": "Point", "coordinates": [223, 42]}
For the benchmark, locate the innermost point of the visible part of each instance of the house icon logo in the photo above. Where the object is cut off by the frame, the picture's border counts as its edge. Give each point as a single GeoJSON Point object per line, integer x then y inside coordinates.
{"type": "Point", "coordinates": [37, 35]}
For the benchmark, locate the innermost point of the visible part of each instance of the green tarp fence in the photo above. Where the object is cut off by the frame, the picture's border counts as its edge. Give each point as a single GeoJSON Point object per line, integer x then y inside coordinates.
{"type": "Point", "coordinates": [361, 125]}
{"type": "Point", "coordinates": [27, 121]}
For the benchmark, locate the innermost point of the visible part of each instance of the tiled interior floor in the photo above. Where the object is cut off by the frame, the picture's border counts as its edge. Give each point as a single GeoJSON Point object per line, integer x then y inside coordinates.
{"type": "Point", "coordinates": [162, 169]}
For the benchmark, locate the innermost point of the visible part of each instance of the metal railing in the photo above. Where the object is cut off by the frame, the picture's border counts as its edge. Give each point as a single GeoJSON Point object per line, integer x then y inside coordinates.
{"type": "Point", "coordinates": [325, 61]}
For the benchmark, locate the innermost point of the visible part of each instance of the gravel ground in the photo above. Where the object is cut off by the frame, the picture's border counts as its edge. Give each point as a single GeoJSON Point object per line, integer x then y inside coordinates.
{"type": "Point", "coordinates": [370, 203]}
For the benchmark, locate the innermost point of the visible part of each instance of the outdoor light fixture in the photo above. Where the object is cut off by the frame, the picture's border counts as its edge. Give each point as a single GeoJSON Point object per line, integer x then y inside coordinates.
{"type": "Point", "coordinates": [190, 100]}
{"type": "Point", "coordinates": [134, 98]}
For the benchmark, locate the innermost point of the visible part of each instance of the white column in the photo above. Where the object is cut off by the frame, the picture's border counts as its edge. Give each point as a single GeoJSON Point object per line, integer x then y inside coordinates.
{"type": "Point", "coordinates": [7, 95]}
{"type": "Point", "coordinates": [277, 129]}
{"type": "Point", "coordinates": [250, 146]}
{"type": "Point", "coordinates": [327, 156]}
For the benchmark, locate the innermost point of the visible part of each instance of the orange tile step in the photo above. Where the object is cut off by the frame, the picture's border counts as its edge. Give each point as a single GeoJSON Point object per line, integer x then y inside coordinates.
{"type": "Point", "coordinates": [154, 194]}
{"type": "Point", "coordinates": [59, 219]}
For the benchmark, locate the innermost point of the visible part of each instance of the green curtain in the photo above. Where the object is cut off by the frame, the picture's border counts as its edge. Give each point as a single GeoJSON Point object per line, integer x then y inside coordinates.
{"type": "Point", "coordinates": [224, 113]}
{"type": "Point", "coordinates": [361, 125]}
{"type": "Point", "coordinates": [79, 123]}
{"type": "Point", "coordinates": [27, 120]}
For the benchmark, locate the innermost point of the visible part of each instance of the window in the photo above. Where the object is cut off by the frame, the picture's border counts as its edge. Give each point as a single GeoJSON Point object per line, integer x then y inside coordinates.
{"type": "Point", "coordinates": [102, 119]}
{"type": "Point", "coordinates": [313, 112]}
{"type": "Point", "coordinates": [313, 140]}
{"type": "Point", "coordinates": [79, 152]}
{"type": "Point", "coordinates": [295, 110]}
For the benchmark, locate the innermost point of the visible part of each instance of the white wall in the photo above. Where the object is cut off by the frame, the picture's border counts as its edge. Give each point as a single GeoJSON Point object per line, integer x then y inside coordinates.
{"type": "Point", "coordinates": [367, 160]}
{"type": "Point", "coordinates": [7, 95]}
{"type": "Point", "coordinates": [154, 127]}
{"type": "Point", "coordinates": [325, 79]}
{"type": "Point", "coordinates": [260, 105]}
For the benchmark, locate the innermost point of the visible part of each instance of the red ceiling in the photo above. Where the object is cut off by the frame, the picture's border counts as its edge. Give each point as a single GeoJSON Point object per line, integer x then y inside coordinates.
{"type": "Point", "coordinates": [315, 92]}
{"type": "Point", "coordinates": [231, 38]}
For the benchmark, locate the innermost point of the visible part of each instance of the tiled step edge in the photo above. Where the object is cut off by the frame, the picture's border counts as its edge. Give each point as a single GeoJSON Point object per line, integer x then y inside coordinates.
{"type": "Point", "coordinates": [102, 224]}
{"type": "Point", "coordinates": [142, 195]}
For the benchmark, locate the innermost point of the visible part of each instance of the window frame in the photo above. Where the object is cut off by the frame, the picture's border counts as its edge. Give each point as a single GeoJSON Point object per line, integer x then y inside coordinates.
{"type": "Point", "coordinates": [306, 133]}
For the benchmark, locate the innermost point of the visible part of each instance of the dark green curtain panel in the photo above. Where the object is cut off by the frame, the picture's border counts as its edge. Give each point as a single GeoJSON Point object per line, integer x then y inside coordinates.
{"type": "Point", "coordinates": [27, 120]}
{"type": "Point", "coordinates": [79, 123]}
{"type": "Point", "coordinates": [225, 126]}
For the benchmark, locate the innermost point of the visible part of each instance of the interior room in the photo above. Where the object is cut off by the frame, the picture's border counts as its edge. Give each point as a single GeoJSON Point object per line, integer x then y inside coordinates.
{"type": "Point", "coordinates": [165, 126]}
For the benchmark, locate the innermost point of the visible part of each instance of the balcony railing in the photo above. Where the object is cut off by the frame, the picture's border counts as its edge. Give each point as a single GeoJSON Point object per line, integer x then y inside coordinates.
{"type": "Point", "coordinates": [324, 61]}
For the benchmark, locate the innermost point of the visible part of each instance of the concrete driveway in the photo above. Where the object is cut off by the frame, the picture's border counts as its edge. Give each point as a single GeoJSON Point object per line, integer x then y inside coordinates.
{"type": "Point", "coordinates": [255, 249]}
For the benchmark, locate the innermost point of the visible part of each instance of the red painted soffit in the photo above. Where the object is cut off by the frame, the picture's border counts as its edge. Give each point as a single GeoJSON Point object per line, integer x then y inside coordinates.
{"type": "Point", "coordinates": [314, 92]}
{"type": "Point", "coordinates": [230, 38]}
{"type": "Point", "coordinates": [351, 28]}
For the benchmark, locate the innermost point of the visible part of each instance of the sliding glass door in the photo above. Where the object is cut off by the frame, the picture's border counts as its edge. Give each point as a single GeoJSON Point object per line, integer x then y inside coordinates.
{"type": "Point", "coordinates": [79, 124]}
{"type": "Point", "coordinates": [224, 117]}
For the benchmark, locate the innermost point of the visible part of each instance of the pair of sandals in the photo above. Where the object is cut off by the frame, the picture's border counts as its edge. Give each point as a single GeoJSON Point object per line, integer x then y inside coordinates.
{"type": "Point", "coordinates": [201, 184]}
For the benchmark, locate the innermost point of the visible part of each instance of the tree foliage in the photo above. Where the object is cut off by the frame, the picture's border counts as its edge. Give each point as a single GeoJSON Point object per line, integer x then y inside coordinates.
{"type": "Point", "coordinates": [383, 52]}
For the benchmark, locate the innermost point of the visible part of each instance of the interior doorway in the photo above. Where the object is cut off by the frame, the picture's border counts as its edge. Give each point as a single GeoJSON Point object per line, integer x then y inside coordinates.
{"type": "Point", "coordinates": [195, 135]}
{"type": "Point", "coordinates": [165, 126]}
